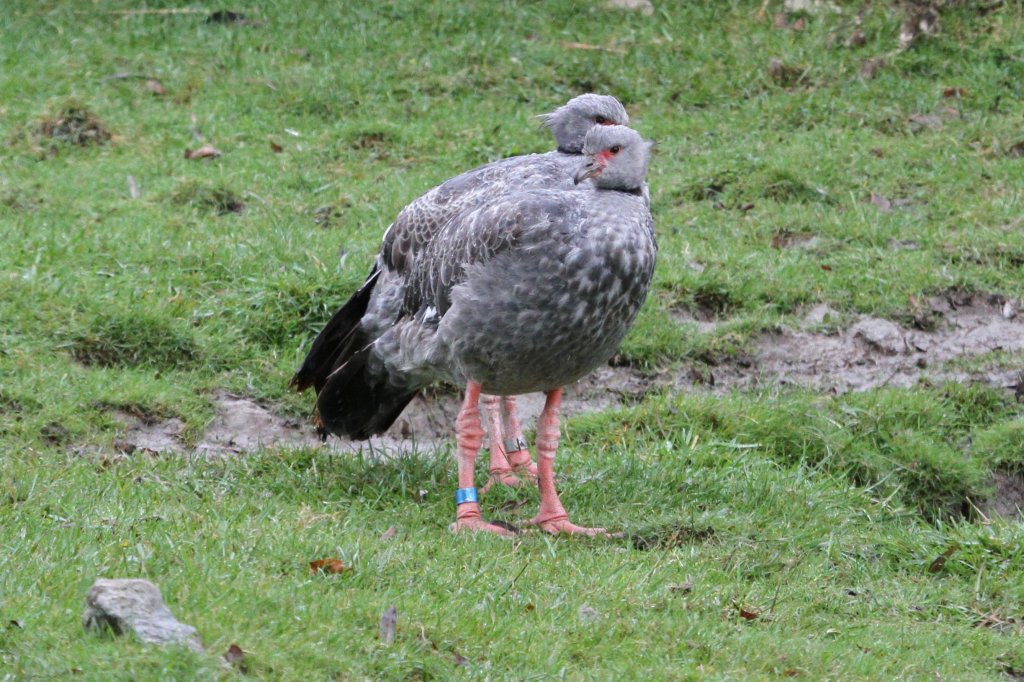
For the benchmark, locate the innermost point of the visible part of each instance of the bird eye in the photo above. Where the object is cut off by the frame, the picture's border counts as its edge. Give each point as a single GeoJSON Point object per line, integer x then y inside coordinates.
{"type": "Point", "coordinates": [600, 120]}
{"type": "Point", "coordinates": [616, 149]}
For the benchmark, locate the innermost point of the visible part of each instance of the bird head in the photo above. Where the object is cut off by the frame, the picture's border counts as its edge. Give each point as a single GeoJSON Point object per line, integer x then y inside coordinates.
{"type": "Point", "coordinates": [570, 122]}
{"type": "Point", "coordinates": [615, 157]}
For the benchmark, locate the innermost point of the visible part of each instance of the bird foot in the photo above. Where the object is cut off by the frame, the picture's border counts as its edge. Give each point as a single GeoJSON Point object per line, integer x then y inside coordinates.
{"type": "Point", "coordinates": [503, 476]}
{"type": "Point", "coordinates": [522, 463]}
{"type": "Point", "coordinates": [561, 524]}
{"type": "Point", "coordinates": [468, 518]}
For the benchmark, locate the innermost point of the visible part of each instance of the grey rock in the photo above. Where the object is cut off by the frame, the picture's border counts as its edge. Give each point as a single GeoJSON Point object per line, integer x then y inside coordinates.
{"type": "Point", "coordinates": [820, 314]}
{"type": "Point", "coordinates": [881, 334]}
{"type": "Point", "coordinates": [135, 605]}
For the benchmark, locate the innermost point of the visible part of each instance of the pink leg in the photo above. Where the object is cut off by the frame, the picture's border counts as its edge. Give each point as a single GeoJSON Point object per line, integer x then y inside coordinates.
{"type": "Point", "coordinates": [469, 434]}
{"type": "Point", "coordinates": [552, 516]}
{"type": "Point", "coordinates": [501, 471]}
{"type": "Point", "coordinates": [519, 458]}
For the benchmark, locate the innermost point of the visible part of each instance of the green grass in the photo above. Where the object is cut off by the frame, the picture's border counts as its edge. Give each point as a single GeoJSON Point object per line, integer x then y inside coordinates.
{"type": "Point", "coordinates": [824, 512]}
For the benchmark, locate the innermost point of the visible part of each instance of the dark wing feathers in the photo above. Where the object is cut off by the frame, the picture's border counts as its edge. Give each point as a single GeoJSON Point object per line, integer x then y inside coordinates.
{"type": "Point", "coordinates": [359, 402]}
{"type": "Point", "coordinates": [338, 339]}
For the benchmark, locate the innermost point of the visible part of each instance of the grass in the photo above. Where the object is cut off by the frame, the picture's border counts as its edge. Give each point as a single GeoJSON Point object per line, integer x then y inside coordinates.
{"type": "Point", "coordinates": [817, 516]}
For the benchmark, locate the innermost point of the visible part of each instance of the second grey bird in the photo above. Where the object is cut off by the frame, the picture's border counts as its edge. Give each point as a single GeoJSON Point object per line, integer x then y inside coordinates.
{"type": "Point", "coordinates": [527, 293]}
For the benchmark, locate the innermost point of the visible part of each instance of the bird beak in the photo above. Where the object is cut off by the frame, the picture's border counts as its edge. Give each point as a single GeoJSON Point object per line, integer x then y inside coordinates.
{"type": "Point", "coordinates": [589, 170]}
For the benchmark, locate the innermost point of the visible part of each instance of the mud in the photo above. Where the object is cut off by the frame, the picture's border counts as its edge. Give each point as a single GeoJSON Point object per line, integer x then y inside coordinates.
{"type": "Point", "coordinates": [244, 425]}
{"type": "Point", "coordinates": [873, 352]}
{"type": "Point", "coordinates": [869, 353]}
{"type": "Point", "coordinates": [1008, 499]}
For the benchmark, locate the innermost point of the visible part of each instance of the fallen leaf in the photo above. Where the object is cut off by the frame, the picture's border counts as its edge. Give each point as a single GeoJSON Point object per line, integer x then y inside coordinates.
{"type": "Point", "coordinates": [328, 566]}
{"type": "Point", "coordinates": [15, 624]}
{"type": "Point", "coordinates": [275, 147]}
{"type": "Point", "coordinates": [780, 20]}
{"type": "Point", "coordinates": [459, 658]}
{"type": "Point", "coordinates": [799, 25]}
{"type": "Point", "coordinates": [387, 625]}
{"type": "Point", "coordinates": [747, 614]}
{"type": "Point", "coordinates": [235, 657]}
{"type": "Point", "coordinates": [207, 151]}
{"type": "Point", "coordinates": [1016, 151]}
{"type": "Point", "coordinates": [877, 153]}
{"type": "Point", "coordinates": [883, 204]}
{"type": "Point", "coordinates": [954, 92]}
{"type": "Point", "coordinates": [388, 534]}
{"type": "Point", "coordinates": [528, 608]}
{"type": "Point", "coordinates": [587, 46]}
{"type": "Point", "coordinates": [826, 267]}
{"type": "Point", "coordinates": [133, 188]}
{"type": "Point", "coordinates": [154, 86]}
{"type": "Point", "coordinates": [940, 561]}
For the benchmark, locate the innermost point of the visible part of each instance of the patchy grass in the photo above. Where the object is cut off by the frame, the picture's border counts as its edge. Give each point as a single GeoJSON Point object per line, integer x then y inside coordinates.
{"type": "Point", "coordinates": [780, 533]}
{"type": "Point", "coordinates": [74, 123]}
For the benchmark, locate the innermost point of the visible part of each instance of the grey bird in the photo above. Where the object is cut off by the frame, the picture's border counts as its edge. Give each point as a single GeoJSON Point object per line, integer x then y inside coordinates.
{"type": "Point", "coordinates": [377, 305]}
{"type": "Point", "coordinates": [529, 292]}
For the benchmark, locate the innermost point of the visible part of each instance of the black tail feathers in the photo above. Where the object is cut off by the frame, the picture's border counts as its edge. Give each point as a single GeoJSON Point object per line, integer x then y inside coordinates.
{"type": "Point", "coordinates": [339, 339]}
{"type": "Point", "coordinates": [357, 402]}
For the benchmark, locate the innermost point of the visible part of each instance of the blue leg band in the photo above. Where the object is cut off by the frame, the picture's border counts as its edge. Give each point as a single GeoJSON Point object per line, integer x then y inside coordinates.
{"type": "Point", "coordinates": [464, 495]}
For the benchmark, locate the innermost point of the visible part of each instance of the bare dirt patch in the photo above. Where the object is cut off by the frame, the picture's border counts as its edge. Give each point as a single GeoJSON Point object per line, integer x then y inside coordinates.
{"type": "Point", "coordinates": [868, 353]}
{"type": "Point", "coordinates": [75, 124]}
{"type": "Point", "coordinates": [1008, 499]}
{"type": "Point", "coordinates": [243, 425]}
{"type": "Point", "coordinates": [875, 352]}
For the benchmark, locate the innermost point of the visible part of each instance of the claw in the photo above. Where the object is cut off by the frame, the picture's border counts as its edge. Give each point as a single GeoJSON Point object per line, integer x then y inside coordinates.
{"type": "Point", "coordinates": [561, 524]}
{"type": "Point", "coordinates": [522, 463]}
{"type": "Point", "coordinates": [478, 524]}
{"type": "Point", "coordinates": [502, 476]}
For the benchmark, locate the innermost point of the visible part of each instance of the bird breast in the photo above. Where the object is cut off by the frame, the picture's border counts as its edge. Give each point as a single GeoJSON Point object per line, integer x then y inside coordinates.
{"type": "Point", "coordinates": [550, 310]}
